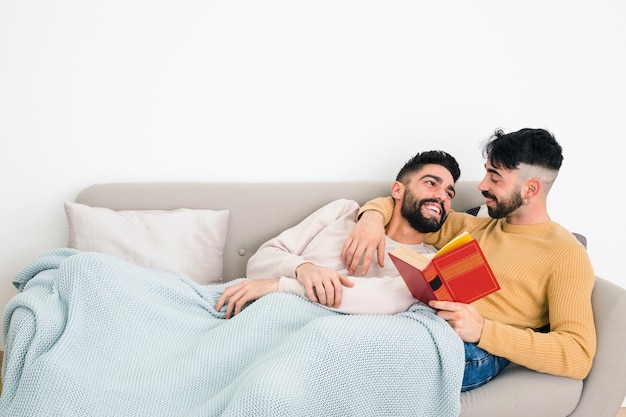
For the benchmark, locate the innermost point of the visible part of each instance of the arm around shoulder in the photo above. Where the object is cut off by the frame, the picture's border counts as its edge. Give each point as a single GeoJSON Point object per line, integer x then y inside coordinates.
{"type": "Point", "coordinates": [383, 205]}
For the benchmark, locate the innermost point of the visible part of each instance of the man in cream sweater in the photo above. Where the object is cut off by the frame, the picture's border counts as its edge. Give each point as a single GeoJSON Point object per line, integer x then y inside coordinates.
{"type": "Point", "coordinates": [305, 259]}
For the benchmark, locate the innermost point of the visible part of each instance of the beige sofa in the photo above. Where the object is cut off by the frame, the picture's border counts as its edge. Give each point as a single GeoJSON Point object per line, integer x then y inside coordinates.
{"type": "Point", "coordinates": [260, 211]}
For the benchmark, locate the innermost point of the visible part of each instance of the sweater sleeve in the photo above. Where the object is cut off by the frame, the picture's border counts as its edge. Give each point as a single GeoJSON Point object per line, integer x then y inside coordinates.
{"type": "Point", "coordinates": [387, 295]}
{"type": "Point", "coordinates": [281, 255]}
{"type": "Point", "coordinates": [383, 205]}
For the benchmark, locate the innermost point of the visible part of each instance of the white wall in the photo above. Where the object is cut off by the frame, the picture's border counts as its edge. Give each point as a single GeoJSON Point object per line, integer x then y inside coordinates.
{"type": "Point", "coordinates": [142, 90]}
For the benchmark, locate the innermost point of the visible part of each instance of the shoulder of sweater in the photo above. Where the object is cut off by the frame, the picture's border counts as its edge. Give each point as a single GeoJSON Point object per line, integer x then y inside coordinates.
{"type": "Point", "coordinates": [568, 237]}
{"type": "Point", "coordinates": [339, 207]}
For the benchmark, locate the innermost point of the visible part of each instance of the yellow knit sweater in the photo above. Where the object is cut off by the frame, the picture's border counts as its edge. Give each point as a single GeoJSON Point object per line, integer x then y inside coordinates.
{"type": "Point", "coordinates": [546, 279]}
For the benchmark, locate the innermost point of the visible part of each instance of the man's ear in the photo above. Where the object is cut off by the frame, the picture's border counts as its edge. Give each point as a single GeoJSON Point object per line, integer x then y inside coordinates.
{"type": "Point", "coordinates": [533, 188]}
{"type": "Point", "coordinates": [397, 190]}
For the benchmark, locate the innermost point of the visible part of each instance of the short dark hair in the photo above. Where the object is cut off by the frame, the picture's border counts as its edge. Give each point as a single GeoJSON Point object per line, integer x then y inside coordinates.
{"type": "Point", "coordinates": [417, 162]}
{"type": "Point", "coordinates": [536, 147]}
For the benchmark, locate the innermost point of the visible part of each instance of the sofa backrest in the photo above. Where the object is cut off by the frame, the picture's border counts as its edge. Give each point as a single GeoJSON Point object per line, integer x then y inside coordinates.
{"type": "Point", "coordinates": [258, 211]}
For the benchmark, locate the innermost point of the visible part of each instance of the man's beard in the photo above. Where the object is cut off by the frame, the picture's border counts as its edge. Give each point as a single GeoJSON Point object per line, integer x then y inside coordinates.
{"type": "Point", "coordinates": [411, 210]}
{"type": "Point", "coordinates": [505, 206]}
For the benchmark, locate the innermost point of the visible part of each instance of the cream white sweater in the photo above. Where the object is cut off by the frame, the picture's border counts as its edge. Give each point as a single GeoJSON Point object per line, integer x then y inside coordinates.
{"type": "Point", "coordinates": [319, 239]}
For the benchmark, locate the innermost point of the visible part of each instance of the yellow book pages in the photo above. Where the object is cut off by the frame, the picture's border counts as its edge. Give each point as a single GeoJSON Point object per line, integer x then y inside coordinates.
{"type": "Point", "coordinates": [418, 260]}
{"type": "Point", "coordinates": [455, 243]}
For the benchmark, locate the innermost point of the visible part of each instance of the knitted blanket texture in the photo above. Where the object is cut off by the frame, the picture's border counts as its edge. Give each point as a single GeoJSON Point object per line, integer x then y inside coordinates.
{"type": "Point", "coordinates": [91, 335]}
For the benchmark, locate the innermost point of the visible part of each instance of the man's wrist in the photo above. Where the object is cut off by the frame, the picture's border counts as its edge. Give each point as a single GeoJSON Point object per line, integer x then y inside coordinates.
{"type": "Point", "coordinates": [300, 268]}
{"type": "Point", "coordinates": [369, 213]}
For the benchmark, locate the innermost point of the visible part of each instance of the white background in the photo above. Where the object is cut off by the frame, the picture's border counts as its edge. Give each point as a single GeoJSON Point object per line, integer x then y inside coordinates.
{"type": "Point", "coordinates": [242, 90]}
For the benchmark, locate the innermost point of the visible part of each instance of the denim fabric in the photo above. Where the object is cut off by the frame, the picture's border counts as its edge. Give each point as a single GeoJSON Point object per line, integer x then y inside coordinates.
{"type": "Point", "coordinates": [480, 367]}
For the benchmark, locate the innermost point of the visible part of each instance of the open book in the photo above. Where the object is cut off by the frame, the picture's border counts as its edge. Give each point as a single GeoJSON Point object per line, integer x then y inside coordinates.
{"type": "Point", "coordinates": [458, 272]}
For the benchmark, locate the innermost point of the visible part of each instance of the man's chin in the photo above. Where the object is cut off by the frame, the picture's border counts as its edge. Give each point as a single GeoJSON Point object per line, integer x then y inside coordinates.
{"type": "Point", "coordinates": [494, 213]}
{"type": "Point", "coordinates": [429, 227]}
{"type": "Point", "coordinates": [431, 216]}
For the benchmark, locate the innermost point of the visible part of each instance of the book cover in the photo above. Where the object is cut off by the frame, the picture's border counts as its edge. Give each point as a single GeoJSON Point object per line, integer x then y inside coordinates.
{"type": "Point", "coordinates": [459, 272]}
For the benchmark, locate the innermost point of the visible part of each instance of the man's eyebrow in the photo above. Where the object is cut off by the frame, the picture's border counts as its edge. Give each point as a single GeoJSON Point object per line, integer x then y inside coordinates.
{"type": "Point", "coordinates": [493, 171]}
{"type": "Point", "coordinates": [438, 180]}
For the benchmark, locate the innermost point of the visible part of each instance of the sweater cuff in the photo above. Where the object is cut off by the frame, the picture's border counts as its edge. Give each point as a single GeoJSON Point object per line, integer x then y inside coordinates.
{"type": "Point", "coordinates": [487, 335]}
{"type": "Point", "coordinates": [291, 286]}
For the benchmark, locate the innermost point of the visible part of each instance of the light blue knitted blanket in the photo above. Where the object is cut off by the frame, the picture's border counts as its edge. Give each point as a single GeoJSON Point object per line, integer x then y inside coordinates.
{"type": "Point", "coordinates": [90, 335]}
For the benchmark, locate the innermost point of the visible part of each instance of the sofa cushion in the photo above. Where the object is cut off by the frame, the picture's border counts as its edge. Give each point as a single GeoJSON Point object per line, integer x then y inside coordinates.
{"type": "Point", "coordinates": [520, 392]}
{"type": "Point", "coordinates": [182, 241]}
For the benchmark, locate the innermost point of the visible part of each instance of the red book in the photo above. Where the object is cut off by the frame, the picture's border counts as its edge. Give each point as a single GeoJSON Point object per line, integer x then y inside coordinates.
{"type": "Point", "coordinates": [458, 272]}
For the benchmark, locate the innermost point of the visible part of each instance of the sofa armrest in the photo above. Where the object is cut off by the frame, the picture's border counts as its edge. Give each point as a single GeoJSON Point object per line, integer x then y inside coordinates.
{"type": "Point", "coordinates": [605, 386]}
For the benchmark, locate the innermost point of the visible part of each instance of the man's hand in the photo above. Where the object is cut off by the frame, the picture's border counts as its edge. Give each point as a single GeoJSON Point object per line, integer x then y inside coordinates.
{"type": "Point", "coordinates": [322, 285]}
{"type": "Point", "coordinates": [464, 319]}
{"type": "Point", "coordinates": [367, 238]}
{"type": "Point", "coordinates": [237, 295]}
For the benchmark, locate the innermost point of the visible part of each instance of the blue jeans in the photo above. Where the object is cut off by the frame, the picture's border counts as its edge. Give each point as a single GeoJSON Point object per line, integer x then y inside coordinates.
{"type": "Point", "coordinates": [480, 367]}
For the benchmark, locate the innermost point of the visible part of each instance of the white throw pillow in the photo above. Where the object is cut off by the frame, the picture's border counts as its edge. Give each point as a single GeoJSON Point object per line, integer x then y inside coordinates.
{"type": "Point", "coordinates": [187, 242]}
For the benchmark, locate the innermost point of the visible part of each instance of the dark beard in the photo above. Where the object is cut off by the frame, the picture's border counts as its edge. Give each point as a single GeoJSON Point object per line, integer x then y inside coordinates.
{"type": "Point", "coordinates": [504, 207]}
{"type": "Point", "coordinates": [411, 210]}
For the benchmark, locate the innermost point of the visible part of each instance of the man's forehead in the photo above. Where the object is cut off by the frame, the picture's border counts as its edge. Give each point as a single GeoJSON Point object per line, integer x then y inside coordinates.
{"type": "Point", "coordinates": [435, 169]}
{"type": "Point", "coordinates": [437, 173]}
{"type": "Point", "coordinates": [501, 171]}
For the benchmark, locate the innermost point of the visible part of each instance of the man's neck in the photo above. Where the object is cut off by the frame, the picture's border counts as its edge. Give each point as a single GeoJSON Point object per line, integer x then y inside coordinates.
{"type": "Point", "coordinates": [401, 231]}
{"type": "Point", "coordinates": [533, 213]}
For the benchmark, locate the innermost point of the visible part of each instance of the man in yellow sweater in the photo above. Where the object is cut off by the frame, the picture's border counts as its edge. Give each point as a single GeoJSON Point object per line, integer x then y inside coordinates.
{"type": "Point", "coordinates": [542, 317]}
